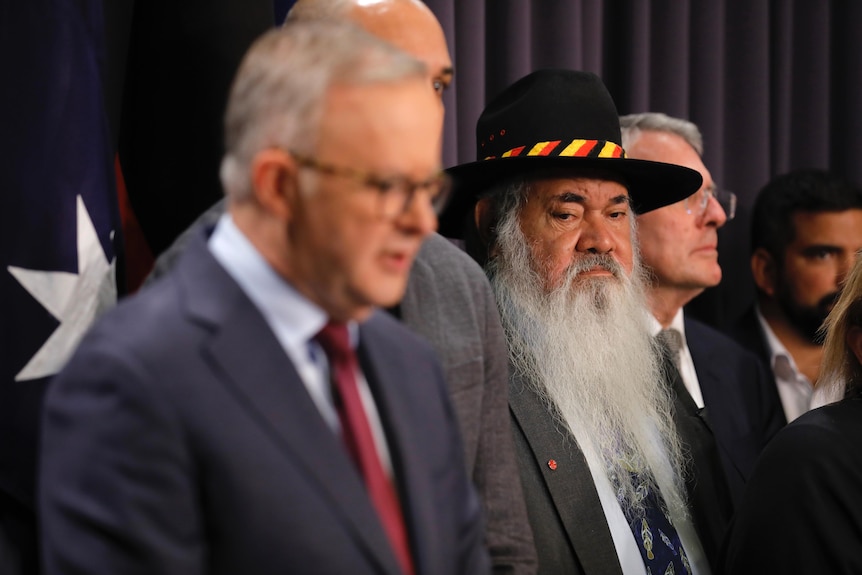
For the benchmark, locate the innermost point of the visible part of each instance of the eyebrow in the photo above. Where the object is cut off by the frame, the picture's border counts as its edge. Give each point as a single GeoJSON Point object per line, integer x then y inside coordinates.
{"type": "Point", "coordinates": [831, 248]}
{"type": "Point", "coordinates": [571, 197]}
{"type": "Point", "coordinates": [447, 72]}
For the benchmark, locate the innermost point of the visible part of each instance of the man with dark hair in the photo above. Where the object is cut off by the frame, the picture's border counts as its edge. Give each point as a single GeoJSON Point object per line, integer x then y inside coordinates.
{"type": "Point", "coordinates": [620, 475]}
{"type": "Point", "coordinates": [806, 228]}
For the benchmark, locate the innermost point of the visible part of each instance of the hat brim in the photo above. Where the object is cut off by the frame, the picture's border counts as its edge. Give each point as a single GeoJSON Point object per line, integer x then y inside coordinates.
{"type": "Point", "coordinates": [651, 185]}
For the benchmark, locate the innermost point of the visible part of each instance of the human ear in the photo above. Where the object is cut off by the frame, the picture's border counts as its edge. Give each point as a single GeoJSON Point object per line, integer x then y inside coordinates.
{"type": "Point", "coordinates": [274, 182]}
{"type": "Point", "coordinates": [483, 219]}
{"type": "Point", "coordinates": [764, 271]}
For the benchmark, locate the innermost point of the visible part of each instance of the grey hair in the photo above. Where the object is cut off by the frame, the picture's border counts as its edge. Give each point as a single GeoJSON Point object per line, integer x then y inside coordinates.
{"type": "Point", "coordinates": [632, 125]}
{"type": "Point", "coordinates": [279, 91]}
{"type": "Point", "coordinates": [505, 197]}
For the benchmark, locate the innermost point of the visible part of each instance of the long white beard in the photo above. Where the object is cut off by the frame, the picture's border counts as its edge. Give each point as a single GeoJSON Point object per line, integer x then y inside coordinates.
{"type": "Point", "coordinates": [586, 349]}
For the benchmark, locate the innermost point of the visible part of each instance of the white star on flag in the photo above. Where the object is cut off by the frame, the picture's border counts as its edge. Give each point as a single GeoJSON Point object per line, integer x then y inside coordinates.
{"type": "Point", "coordinates": [74, 299]}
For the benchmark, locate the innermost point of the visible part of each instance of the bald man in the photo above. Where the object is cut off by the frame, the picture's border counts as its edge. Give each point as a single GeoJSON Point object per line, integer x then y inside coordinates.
{"type": "Point", "coordinates": [448, 301]}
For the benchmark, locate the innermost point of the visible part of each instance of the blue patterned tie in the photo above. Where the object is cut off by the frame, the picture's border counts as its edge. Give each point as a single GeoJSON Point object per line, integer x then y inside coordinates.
{"type": "Point", "coordinates": [658, 541]}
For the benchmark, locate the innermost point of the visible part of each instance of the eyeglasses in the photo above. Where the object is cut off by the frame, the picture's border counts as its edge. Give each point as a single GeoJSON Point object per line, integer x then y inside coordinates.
{"type": "Point", "coordinates": [698, 202]}
{"type": "Point", "coordinates": [396, 193]}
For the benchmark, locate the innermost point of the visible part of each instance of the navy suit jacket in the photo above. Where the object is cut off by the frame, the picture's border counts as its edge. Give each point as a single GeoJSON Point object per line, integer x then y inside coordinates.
{"type": "Point", "coordinates": [742, 405]}
{"type": "Point", "coordinates": [746, 331]}
{"type": "Point", "coordinates": [181, 440]}
{"type": "Point", "coordinates": [449, 302]}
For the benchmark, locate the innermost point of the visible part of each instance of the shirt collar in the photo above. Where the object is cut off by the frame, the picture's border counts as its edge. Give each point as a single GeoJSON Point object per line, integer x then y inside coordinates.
{"type": "Point", "coordinates": [293, 318]}
{"type": "Point", "coordinates": [780, 360]}
{"type": "Point", "coordinates": [677, 323]}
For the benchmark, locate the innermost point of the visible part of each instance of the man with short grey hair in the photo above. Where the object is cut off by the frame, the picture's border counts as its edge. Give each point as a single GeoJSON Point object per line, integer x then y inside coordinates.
{"type": "Point", "coordinates": [679, 242]}
{"type": "Point", "coordinates": [254, 411]}
{"type": "Point", "coordinates": [448, 301]}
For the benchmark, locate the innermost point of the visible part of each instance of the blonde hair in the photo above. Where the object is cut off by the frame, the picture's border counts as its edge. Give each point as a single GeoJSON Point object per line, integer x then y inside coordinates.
{"type": "Point", "coordinates": [840, 371]}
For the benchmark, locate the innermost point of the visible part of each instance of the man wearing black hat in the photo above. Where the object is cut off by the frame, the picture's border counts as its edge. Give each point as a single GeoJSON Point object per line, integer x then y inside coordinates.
{"type": "Point", "coordinates": [619, 474]}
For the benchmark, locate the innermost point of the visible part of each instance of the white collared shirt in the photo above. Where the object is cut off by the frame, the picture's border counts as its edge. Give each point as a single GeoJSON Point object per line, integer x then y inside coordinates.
{"type": "Point", "coordinates": [794, 388]}
{"type": "Point", "coordinates": [294, 320]}
{"type": "Point", "coordinates": [686, 364]}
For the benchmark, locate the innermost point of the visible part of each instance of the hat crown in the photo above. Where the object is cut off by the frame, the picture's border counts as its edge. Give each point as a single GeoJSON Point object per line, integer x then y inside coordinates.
{"type": "Point", "coordinates": [557, 119]}
{"type": "Point", "coordinates": [547, 105]}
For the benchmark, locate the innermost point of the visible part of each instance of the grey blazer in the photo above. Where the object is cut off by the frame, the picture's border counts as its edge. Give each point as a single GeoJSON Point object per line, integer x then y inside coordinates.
{"type": "Point", "coordinates": [569, 526]}
{"type": "Point", "coordinates": [449, 302]}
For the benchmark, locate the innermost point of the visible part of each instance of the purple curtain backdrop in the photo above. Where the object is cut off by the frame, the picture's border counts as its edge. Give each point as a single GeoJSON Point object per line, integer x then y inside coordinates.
{"type": "Point", "coordinates": [773, 85]}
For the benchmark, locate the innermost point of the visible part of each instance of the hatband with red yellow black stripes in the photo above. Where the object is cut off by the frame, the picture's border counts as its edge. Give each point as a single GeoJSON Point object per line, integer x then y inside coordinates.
{"type": "Point", "coordinates": [575, 149]}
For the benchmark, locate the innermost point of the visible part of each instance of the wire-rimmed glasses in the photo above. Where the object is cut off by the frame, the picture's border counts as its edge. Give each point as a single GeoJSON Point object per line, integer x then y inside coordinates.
{"type": "Point", "coordinates": [698, 202]}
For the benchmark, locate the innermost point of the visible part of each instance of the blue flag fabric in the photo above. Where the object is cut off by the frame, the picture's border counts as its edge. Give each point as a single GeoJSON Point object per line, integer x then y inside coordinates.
{"type": "Point", "coordinates": [281, 8]}
{"type": "Point", "coordinates": [59, 221]}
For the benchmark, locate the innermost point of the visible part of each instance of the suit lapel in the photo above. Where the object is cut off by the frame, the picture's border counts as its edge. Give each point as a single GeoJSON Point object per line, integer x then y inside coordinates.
{"type": "Point", "coordinates": [709, 497]}
{"type": "Point", "coordinates": [749, 334]}
{"type": "Point", "coordinates": [570, 484]}
{"type": "Point", "coordinates": [249, 361]}
{"type": "Point", "coordinates": [710, 376]}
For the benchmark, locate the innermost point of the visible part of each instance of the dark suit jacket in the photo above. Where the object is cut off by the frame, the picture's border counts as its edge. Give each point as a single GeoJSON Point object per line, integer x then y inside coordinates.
{"type": "Point", "coordinates": [180, 440]}
{"type": "Point", "coordinates": [449, 302]}
{"type": "Point", "coordinates": [742, 404]}
{"type": "Point", "coordinates": [802, 510]}
{"type": "Point", "coordinates": [569, 526]}
{"type": "Point", "coordinates": [747, 332]}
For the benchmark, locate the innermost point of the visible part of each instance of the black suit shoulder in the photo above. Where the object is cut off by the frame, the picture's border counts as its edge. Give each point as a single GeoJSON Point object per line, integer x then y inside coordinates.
{"type": "Point", "coordinates": [802, 510]}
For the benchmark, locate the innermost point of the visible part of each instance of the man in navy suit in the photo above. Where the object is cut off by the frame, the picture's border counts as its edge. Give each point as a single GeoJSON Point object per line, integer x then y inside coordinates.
{"type": "Point", "coordinates": [678, 243]}
{"type": "Point", "coordinates": [253, 412]}
{"type": "Point", "coordinates": [448, 301]}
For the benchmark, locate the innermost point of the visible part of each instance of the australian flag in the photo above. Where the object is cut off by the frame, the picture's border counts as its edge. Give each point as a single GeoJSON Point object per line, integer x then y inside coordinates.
{"type": "Point", "coordinates": [59, 226]}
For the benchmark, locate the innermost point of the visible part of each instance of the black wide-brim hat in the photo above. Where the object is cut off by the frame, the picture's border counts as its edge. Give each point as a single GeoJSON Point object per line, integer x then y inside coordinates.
{"type": "Point", "coordinates": [557, 119]}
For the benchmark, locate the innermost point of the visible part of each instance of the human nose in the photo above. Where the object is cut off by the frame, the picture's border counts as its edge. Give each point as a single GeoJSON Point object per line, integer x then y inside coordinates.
{"type": "Point", "coordinates": [596, 237]}
{"type": "Point", "coordinates": [714, 213]}
{"type": "Point", "coordinates": [419, 216]}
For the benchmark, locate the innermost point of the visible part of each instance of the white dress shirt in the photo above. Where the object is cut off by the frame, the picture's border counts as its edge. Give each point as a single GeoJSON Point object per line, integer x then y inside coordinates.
{"type": "Point", "coordinates": [686, 363]}
{"type": "Point", "coordinates": [294, 321]}
{"type": "Point", "coordinates": [794, 388]}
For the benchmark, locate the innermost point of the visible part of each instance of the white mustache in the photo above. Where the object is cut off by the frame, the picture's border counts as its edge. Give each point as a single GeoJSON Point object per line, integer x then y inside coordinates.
{"type": "Point", "coordinates": [592, 261]}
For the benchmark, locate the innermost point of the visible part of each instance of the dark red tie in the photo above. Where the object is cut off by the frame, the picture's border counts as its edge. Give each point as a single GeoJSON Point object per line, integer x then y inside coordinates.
{"type": "Point", "coordinates": [356, 432]}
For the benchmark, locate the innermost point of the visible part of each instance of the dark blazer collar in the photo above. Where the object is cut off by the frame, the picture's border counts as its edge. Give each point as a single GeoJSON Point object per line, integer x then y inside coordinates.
{"type": "Point", "coordinates": [748, 333]}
